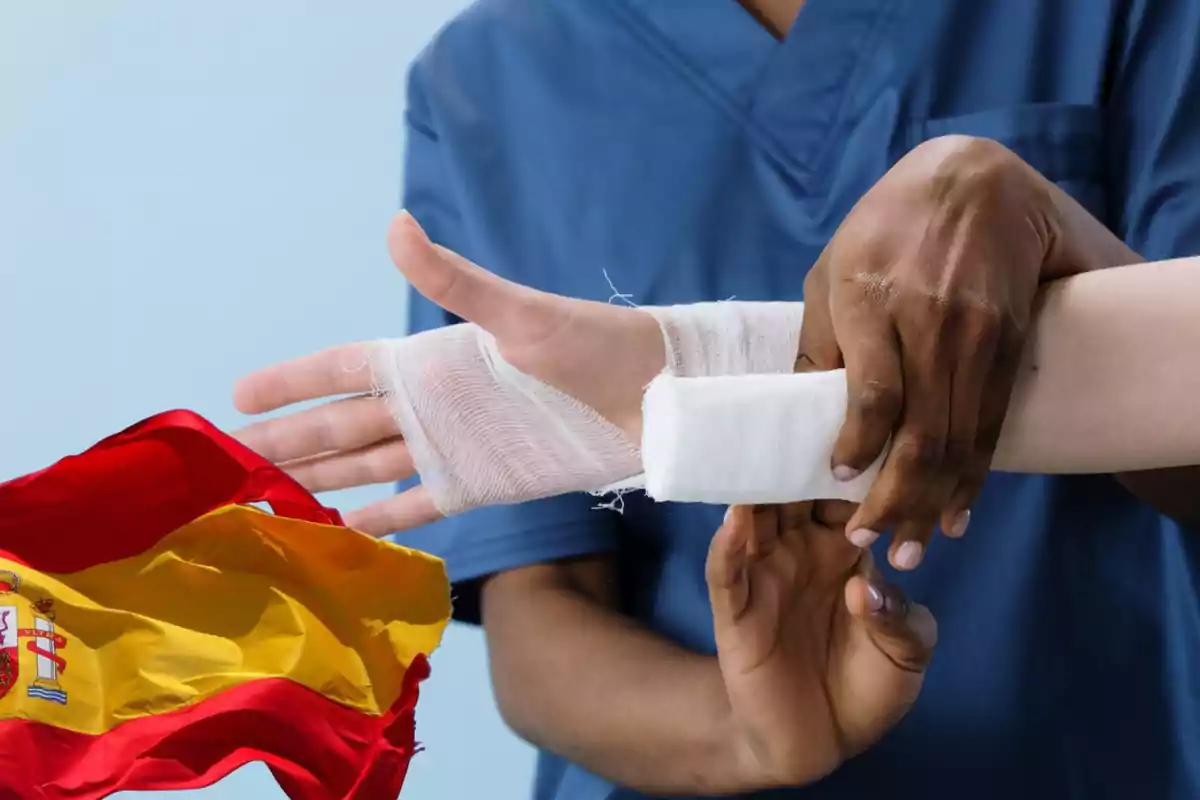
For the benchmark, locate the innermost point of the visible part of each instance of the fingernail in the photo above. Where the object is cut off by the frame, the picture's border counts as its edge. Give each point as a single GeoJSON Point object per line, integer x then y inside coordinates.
{"type": "Point", "coordinates": [959, 528]}
{"type": "Point", "coordinates": [908, 555]}
{"type": "Point", "coordinates": [875, 598]}
{"type": "Point", "coordinates": [895, 604]}
{"type": "Point", "coordinates": [728, 513]}
{"type": "Point", "coordinates": [408, 219]}
{"type": "Point", "coordinates": [845, 473]}
{"type": "Point", "coordinates": [862, 537]}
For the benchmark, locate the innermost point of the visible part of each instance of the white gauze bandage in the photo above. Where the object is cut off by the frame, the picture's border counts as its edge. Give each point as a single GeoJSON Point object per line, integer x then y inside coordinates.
{"type": "Point", "coordinates": [730, 338]}
{"type": "Point", "coordinates": [483, 433]}
{"type": "Point", "coordinates": [753, 439]}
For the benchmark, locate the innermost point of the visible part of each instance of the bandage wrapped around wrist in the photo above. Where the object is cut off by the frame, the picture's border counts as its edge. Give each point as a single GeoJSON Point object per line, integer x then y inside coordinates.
{"type": "Point", "coordinates": [726, 422]}
{"type": "Point", "coordinates": [482, 433]}
{"type": "Point", "coordinates": [748, 440]}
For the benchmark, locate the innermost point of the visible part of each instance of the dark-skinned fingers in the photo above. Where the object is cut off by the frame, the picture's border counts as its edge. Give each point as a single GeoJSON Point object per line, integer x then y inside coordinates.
{"type": "Point", "coordinates": [765, 530]}
{"type": "Point", "coordinates": [891, 505]}
{"type": "Point", "coordinates": [910, 542]}
{"type": "Point", "coordinates": [725, 569]}
{"type": "Point", "coordinates": [972, 396]}
{"type": "Point", "coordinates": [899, 501]}
{"type": "Point", "coordinates": [889, 603]}
{"type": "Point", "coordinates": [957, 516]}
{"type": "Point", "coordinates": [818, 349]}
{"type": "Point", "coordinates": [860, 338]}
{"type": "Point", "coordinates": [823, 547]}
{"type": "Point", "coordinates": [912, 488]}
{"type": "Point", "coordinates": [994, 403]}
{"type": "Point", "coordinates": [905, 632]}
{"type": "Point", "coordinates": [910, 498]}
{"type": "Point", "coordinates": [833, 513]}
{"type": "Point", "coordinates": [830, 513]}
{"type": "Point", "coordinates": [875, 389]}
{"type": "Point", "coordinates": [727, 551]}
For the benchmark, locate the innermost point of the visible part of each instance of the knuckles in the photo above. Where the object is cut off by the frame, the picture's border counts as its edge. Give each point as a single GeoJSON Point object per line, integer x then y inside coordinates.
{"type": "Point", "coordinates": [967, 321]}
{"type": "Point", "coordinates": [919, 452]}
{"type": "Point", "coordinates": [908, 296]}
{"type": "Point", "coordinates": [956, 455]}
{"type": "Point", "coordinates": [897, 503]}
{"type": "Point", "coordinates": [957, 166]}
{"type": "Point", "coordinates": [878, 400]}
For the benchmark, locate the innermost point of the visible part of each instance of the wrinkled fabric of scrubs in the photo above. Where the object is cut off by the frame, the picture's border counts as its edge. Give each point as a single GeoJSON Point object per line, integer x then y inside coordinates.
{"type": "Point", "coordinates": [683, 150]}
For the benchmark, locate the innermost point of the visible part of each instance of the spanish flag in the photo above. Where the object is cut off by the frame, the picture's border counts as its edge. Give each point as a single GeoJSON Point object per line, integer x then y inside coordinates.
{"type": "Point", "coordinates": [158, 630]}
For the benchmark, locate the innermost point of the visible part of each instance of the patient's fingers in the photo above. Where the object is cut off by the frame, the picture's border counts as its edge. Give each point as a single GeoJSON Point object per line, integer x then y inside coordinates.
{"type": "Point", "coordinates": [347, 424]}
{"type": "Point", "coordinates": [338, 370]}
{"type": "Point", "coordinates": [411, 508]}
{"type": "Point", "coordinates": [380, 463]}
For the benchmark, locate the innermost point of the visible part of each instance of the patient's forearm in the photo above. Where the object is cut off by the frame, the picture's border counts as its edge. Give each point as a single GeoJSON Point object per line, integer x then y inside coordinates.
{"type": "Point", "coordinates": [1107, 385]}
{"type": "Point", "coordinates": [1111, 374]}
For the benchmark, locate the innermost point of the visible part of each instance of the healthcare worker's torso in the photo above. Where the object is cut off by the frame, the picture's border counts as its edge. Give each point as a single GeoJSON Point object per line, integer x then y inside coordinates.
{"type": "Point", "coordinates": [679, 150]}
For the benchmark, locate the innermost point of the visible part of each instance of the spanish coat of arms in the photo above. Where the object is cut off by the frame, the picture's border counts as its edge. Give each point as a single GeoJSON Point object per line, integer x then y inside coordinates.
{"type": "Point", "coordinates": [42, 639]}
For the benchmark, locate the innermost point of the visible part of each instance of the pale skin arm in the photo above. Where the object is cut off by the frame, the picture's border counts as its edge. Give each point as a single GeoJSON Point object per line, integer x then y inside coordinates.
{"type": "Point", "coordinates": [1110, 374]}
{"type": "Point", "coordinates": [1108, 383]}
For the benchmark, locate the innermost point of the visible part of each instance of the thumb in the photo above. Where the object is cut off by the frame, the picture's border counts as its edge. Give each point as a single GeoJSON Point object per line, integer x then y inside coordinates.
{"type": "Point", "coordinates": [864, 342]}
{"type": "Point", "coordinates": [818, 349]}
{"type": "Point", "coordinates": [904, 632]}
{"type": "Point", "coordinates": [890, 644]}
{"type": "Point", "coordinates": [501, 307]}
{"type": "Point", "coordinates": [874, 388]}
{"type": "Point", "coordinates": [725, 569]}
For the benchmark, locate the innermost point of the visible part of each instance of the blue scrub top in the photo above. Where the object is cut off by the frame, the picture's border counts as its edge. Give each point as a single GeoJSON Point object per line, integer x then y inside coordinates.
{"type": "Point", "coordinates": [683, 150]}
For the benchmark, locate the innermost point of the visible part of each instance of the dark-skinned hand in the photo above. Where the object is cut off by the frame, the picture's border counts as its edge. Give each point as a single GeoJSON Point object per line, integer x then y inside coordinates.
{"type": "Point", "coordinates": [819, 655]}
{"type": "Point", "coordinates": [925, 295]}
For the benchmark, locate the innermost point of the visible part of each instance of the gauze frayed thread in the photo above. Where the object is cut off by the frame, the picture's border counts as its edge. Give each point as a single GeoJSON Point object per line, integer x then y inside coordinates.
{"type": "Point", "coordinates": [481, 432]}
{"type": "Point", "coordinates": [729, 339]}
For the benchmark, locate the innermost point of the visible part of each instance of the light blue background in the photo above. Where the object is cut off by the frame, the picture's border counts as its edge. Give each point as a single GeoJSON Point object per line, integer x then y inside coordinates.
{"type": "Point", "coordinates": [189, 191]}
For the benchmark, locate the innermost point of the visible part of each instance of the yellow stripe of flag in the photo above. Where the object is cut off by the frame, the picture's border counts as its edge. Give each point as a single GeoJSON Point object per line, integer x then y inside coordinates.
{"type": "Point", "coordinates": [235, 596]}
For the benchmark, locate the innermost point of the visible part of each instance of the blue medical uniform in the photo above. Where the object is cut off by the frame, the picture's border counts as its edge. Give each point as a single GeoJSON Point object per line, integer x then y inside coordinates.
{"type": "Point", "coordinates": [686, 152]}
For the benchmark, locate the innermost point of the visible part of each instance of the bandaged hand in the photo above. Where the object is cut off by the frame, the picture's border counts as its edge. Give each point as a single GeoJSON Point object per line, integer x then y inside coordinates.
{"type": "Point", "coordinates": [536, 395]}
{"type": "Point", "coordinates": [539, 395]}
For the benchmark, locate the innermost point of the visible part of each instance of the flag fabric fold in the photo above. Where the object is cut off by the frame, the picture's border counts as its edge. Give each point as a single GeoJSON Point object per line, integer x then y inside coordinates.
{"type": "Point", "coordinates": [157, 630]}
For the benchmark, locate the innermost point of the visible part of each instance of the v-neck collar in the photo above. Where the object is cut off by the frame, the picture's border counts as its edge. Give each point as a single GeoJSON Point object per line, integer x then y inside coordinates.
{"type": "Point", "coordinates": [789, 93]}
{"type": "Point", "coordinates": [717, 37]}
